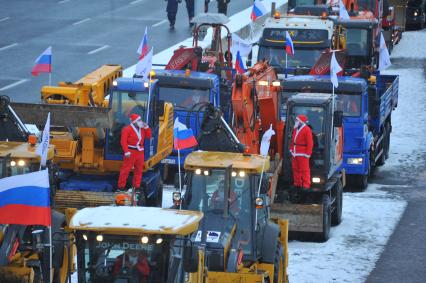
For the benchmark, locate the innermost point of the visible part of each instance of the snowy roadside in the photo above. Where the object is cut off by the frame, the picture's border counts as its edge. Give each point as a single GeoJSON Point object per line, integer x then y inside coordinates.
{"type": "Point", "coordinates": [370, 217]}
{"type": "Point", "coordinates": [354, 246]}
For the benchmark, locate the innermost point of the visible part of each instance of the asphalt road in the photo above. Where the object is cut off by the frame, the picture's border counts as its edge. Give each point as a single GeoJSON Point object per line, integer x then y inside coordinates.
{"type": "Point", "coordinates": [83, 35]}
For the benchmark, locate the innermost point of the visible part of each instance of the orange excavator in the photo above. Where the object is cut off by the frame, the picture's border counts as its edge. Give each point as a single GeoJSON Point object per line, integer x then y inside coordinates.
{"type": "Point", "coordinates": [212, 59]}
{"type": "Point", "coordinates": [255, 103]}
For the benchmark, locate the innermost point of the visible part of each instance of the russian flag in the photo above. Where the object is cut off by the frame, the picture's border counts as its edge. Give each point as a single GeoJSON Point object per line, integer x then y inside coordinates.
{"type": "Point", "coordinates": [239, 65]}
{"type": "Point", "coordinates": [289, 47]}
{"type": "Point", "coordinates": [25, 199]}
{"type": "Point", "coordinates": [43, 62]}
{"type": "Point", "coordinates": [257, 11]}
{"type": "Point", "coordinates": [143, 46]}
{"type": "Point", "coordinates": [183, 137]}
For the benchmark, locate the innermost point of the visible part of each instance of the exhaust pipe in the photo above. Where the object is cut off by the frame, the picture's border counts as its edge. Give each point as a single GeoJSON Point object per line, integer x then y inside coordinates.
{"type": "Point", "coordinates": [273, 8]}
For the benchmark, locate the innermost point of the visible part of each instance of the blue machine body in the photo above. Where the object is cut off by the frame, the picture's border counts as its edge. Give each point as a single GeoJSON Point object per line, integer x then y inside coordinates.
{"type": "Point", "coordinates": [181, 89]}
{"type": "Point", "coordinates": [364, 127]}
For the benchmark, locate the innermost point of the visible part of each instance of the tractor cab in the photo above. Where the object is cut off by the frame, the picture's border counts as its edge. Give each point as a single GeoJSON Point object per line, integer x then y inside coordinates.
{"type": "Point", "coordinates": [326, 125]}
{"type": "Point", "coordinates": [225, 187]}
{"type": "Point", "coordinates": [115, 246]}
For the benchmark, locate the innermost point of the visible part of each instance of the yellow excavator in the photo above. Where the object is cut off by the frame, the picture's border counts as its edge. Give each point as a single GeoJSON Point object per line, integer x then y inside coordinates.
{"type": "Point", "coordinates": [24, 257]}
{"type": "Point", "coordinates": [87, 141]}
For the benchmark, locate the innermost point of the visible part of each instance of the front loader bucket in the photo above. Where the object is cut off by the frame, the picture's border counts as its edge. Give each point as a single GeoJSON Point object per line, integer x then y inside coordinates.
{"type": "Point", "coordinates": [63, 115]}
{"type": "Point", "coordinates": [301, 217]}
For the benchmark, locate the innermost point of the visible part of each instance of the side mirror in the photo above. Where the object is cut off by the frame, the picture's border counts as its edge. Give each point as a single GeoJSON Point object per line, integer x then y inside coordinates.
{"type": "Point", "coordinates": [190, 259]}
{"type": "Point", "coordinates": [159, 108]}
{"type": "Point", "coordinates": [338, 119]}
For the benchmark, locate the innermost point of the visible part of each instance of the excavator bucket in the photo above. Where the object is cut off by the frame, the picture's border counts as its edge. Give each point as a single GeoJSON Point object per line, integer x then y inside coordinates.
{"type": "Point", "coordinates": [301, 217]}
{"type": "Point", "coordinates": [63, 115]}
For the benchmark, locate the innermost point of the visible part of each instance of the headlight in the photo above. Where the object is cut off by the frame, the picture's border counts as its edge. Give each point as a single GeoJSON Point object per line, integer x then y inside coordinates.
{"type": "Point", "coordinates": [415, 14]}
{"type": "Point", "coordinates": [85, 237]}
{"type": "Point", "coordinates": [21, 163]}
{"type": "Point", "coordinates": [316, 180]}
{"type": "Point", "coordinates": [259, 202]}
{"type": "Point", "coordinates": [355, 161]}
{"type": "Point", "coordinates": [99, 238]}
{"type": "Point", "coordinates": [234, 174]}
{"type": "Point", "coordinates": [144, 240]}
{"type": "Point", "coordinates": [176, 196]}
{"type": "Point", "coordinates": [146, 84]}
{"type": "Point", "coordinates": [114, 83]}
{"type": "Point", "coordinates": [276, 83]}
{"type": "Point", "coordinates": [159, 241]}
{"type": "Point", "coordinates": [263, 83]}
{"type": "Point", "coordinates": [206, 172]}
{"type": "Point", "coordinates": [13, 163]}
{"type": "Point", "coordinates": [242, 174]}
{"type": "Point", "coordinates": [198, 171]}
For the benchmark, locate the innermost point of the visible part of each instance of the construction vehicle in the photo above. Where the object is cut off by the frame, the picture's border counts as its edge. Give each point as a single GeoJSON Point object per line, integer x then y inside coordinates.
{"type": "Point", "coordinates": [212, 59]}
{"type": "Point", "coordinates": [239, 240]}
{"type": "Point", "coordinates": [311, 35]}
{"type": "Point", "coordinates": [24, 255]}
{"type": "Point", "coordinates": [189, 92]}
{"type": "Point", "coordinates": [88, 150]}
{"type": "Point", "coordinates": [159, 240]}
{"type": "Point", "coordinates": [416, 13]}
{"type": "Point", "coordinates": [367, 110]}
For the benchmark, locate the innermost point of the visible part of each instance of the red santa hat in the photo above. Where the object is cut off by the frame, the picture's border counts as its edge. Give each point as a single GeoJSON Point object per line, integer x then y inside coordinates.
{"type": "Point", "coordinates": [134, 117]}
{"type": "Point", "coordinates": [302, 118]}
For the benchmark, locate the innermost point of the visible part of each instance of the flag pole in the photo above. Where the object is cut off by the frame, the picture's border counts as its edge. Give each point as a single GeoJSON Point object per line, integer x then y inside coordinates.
{"type": "Point", "coordinates": [258, 190]}
{"type": "Point", "coordinates": [180, 181]}
{"type": "Point", "coordinates": [286, 67]}
{"type": "Point", "coordinates": [50, 251]}
{"type": "Point", "coordinates": [50, 78]}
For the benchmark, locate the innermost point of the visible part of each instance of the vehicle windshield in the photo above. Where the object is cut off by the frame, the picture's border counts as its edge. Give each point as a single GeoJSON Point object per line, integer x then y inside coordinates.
{"type": "Point", "coordinates": [303, 57]}
{"type": "Point", "coordinates": [206, 194]}
{"type": "Point", "coordinates": [357, 42]}
{"type": "Point", "coordinates": [350, 104]}
{"type": "Point", "coordinates": [316, 122]}
{"type": "Point", "coordinates": [183, 97]}
{"type": "Point", "coordinates": [122, 105]}
{"type": "Point", "coordinates": [124, 259]}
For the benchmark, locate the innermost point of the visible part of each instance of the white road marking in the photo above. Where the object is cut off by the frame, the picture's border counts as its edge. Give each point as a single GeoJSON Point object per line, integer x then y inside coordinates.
{"type": "Point", "coordinates": [136, 2]}
{"type": "Point", "coordinates": [63, 1]}
{"type": "Point", "coordinates": [159, 23]}
{"type": "Point", "coordinates": [4, 19]}
{"type": "Point", "coordinates": [8, 46]}
{"type": "Point", "coordinates": [14, 84]}
{"type": "Point", "coordinates": [98, 49]}
{"type": "Point", "coordinates": [80, 22]}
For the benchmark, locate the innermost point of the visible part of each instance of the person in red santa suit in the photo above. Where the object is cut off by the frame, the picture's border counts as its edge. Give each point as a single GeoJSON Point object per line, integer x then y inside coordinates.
{"type": "Point", "coordinates": [301, 150]}
{"type": "Point", "coordinates": [132, 141]}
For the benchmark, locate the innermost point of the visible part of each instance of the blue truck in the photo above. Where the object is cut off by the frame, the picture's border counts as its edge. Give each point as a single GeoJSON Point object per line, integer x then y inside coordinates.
{"type": "Point", "coordinates": [189, 92]}
{"type": "Point", "coordinates": [367, 107]}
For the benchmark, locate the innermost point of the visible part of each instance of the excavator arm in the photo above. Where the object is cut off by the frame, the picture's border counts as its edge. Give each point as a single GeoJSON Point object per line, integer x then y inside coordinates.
{"type": "Point", "coordinates": [11, 126]}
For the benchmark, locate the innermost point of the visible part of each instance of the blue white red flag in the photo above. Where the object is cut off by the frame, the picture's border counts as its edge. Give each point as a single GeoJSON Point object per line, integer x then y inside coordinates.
{"type": "Point", "coordinates": [183, 137]}
{"type": "Point", "coordinates": [143, 46]}
{"type": "Point", "coordinates": [289, 47]}
{"type": "Point", "coordinates": [257, 11]}
{"type": "Point", "coordinates": [239, 64]}
{"type": "Point", "coordinates": [43, 63]}
{"type": "Point", "coordinates": [25, 199]}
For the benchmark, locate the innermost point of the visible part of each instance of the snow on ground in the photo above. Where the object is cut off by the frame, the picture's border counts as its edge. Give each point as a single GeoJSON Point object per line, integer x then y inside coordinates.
{"type": "Point", "coordinates": [407, 140]}
{"type": "Point", "coordinates": [408, 48]}
{"type": "Point", "coordinates": [354, 246]}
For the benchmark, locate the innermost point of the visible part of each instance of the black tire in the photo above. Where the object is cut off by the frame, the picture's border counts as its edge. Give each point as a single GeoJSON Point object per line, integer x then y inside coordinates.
{"type": "Point", "coordinates": [279, 257]}
{"type": "Point", "coordinates": [159, 198]}
{"type": "Point", "coordinates": [361, 182]}
{"type": "Point", "coordinates": [326, 219]}
{"type": "Point", "coordinates": [336, 216]}
{"type": "Point", "coordinates": [382, 159]}
{"type": "Point", "coordinates": [387, 145]}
